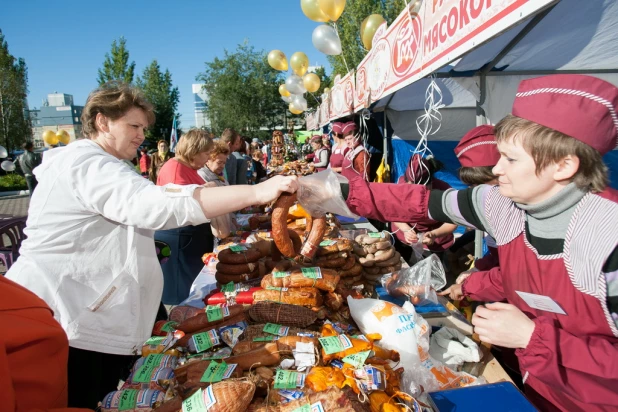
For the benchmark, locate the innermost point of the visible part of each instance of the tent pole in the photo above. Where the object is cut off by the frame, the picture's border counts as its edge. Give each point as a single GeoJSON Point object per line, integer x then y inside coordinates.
{"type": "Point", "coordinates": [481, 119]}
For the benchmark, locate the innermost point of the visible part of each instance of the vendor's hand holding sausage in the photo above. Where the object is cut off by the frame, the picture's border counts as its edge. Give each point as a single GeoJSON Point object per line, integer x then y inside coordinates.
{"type": "Point", "coordinates": [271, 189]}
{"type": "Point", "coordinates": [410, 236]}
{"type": "Point", "coordinates": [503, 324]}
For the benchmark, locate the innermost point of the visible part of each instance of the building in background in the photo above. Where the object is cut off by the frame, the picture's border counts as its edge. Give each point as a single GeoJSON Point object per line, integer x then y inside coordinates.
{"type": "Point", "coordinates": [57, 113]}
{"type": "Point", "coordinates": [200, 100]}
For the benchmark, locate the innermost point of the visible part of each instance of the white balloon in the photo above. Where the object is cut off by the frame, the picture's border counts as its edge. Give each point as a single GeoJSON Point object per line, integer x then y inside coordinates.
{"type": "Point", "coordinates": [287, 99]}
{"type": "Point", "coordinates": [299, 102]}
{"type": "Point", "coordinates": [7, 165]}
{"type": "Point", "coordinates": [294, 84]}
{"type": "Point", "coordinates": [3, 152]}
{"type": "Point", "coordinates": [326, 40]}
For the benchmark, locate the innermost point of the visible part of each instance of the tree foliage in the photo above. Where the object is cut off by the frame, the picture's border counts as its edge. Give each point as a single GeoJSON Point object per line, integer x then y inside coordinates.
{"type": "Point", "coordinates": [15, 125]}
{"type": "Point", "coordinates": [243, 92]}
{"type": "Point", "coordinates": [349, 30]}
{"type": "Point", "coordinates": [161, 93]}
{"type": "Point", "coordinates": [116, 65]}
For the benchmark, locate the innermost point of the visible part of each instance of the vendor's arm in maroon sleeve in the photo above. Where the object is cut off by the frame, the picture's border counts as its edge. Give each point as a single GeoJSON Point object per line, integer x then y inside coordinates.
{"type": "Point", "coordinates": [484, 286]}
{"type": "Point", "coordinates": [490, 260]}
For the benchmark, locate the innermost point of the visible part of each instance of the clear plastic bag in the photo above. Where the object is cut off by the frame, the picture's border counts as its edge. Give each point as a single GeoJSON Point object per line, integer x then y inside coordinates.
{"type": "Point", "coordinates": [418, 282]}
{"type": "Point", "coordinates": [320, 193]}
{"type": "Point", "coordinates": [222, 226]}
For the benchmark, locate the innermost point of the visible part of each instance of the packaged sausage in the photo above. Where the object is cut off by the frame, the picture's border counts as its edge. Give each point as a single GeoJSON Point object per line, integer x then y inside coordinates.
{"type": "Point", "coordinates": [131, 400]}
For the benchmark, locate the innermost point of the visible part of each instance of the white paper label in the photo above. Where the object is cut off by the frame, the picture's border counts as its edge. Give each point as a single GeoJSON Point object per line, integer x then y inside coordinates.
{"type": "Point", "coordinates": [541, 302]}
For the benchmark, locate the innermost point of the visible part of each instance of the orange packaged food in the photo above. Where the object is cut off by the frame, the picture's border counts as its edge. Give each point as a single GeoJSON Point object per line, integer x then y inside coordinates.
{"type": "Point", "coordinates": [321, 378]}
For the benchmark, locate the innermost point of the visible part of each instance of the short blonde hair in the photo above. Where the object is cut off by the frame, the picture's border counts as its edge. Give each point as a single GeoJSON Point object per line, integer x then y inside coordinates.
{"type": "Point", "coordinates": [219, 148]}
{"type": "Point", "coordinates": [229, 136]}
{"type": "Point", "coordinates": [192, 143]}
{"type": "Point", "coordinates": [113, 100]}
{"type": "Point", "coordinates": [547, 146]}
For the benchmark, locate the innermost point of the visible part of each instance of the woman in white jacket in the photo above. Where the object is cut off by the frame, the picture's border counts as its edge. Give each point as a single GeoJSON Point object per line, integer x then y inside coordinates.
{"type": "Point", "coordinates": [89, 252]}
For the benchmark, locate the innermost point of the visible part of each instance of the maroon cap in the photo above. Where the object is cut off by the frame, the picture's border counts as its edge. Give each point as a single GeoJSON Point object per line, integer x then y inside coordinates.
{"type": "Point", "coordinates": [337, 126]}
{"type": "Point", "coordinates": [583, 107]}
{"type": "Point", "coordinates": [478, 148]}
{"type": "Point", "coordinates": [316, 139]}
{"type": "Point", "coordinates": [348, 127]}
{"type": "Point", "coordinates": [417, 172]}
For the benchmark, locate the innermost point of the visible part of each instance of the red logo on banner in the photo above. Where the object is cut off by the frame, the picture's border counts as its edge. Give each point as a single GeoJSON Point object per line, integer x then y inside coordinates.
{"type": "Point", "coordinates": [407, 44]}
{"type": "Point", "coordinates": [361, 84]}
{"type": "Point", "coordinates": [349, 94]}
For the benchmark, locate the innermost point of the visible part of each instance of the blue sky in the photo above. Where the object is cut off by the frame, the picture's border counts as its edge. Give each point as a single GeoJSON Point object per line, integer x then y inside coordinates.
{"type": "Point", "coordinates": [64, 42]}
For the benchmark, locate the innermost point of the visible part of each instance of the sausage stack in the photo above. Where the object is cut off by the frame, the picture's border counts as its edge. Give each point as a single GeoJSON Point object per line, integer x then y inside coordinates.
{"type": "Point", "coordinates": [239, 264]}
{"type": "Point", "coordinates": [377, 256]}
{"type": "Point", "coordinates": [277, 149]}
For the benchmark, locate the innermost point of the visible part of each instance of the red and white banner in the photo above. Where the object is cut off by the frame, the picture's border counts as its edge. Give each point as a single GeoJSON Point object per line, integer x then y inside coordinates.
{"type": "Point", "coordinates": [427, 37]}
{"type": "Point", "coordinates": [312, 120]}
{"type": "Point", "coordinates": [324, 118]}
{"type": "Point", "coordinates": [342, 97]}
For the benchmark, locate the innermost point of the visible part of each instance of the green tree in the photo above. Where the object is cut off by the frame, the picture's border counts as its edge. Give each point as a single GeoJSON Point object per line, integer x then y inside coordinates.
{"type": "Point", "coordinates": [116, 65]}
{"type": "Point", "coordinates": [349, 30]}
{"type": "Point", "coordinates": [161, 93]}
{"type": "Point", "coordinates": [243, 92]}
{"type": "Point", "coordinates": [15, 125]}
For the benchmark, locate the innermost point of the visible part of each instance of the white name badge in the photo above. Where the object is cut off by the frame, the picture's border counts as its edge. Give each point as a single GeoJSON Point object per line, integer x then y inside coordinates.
{"type": "Point", "coordinates": [541, 302]}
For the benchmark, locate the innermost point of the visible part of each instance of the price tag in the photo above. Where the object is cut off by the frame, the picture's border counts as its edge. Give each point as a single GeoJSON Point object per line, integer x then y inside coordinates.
{"type": "Point", "coordinates": [361, 337]}
{"type": "Point", "coordinates": [334, 344]}
{"type": "Point", "coordinates": [265, 338]}
{"type": "Point", "coordinates": [195, 403]}
{"type": "Point", "coordinates": [305, 408]}
{"type": "Point", "coordinates": [209, 398]}
{"type": "Point", "coordinates": [280, 274]}
{"type": "Point", "coordinates": [358, 359]}
{"type": "Point", "coordinates": [314, 407]}
{"type": "Point", "coordinates": [128, 399]}
{"type": "Point", "coordinates": [275, 329]}
{"type": "Point", "coordinates": [377, 235]}
{"type": "Point", "coordinates": [169, 326]}
{"type": "Point", "coordinates": [330, 242]}
{"type": "Point", "coordinates": [155, 340]}
{"type": "Point", "coordinates": [276, 288]}
{"type": "Point", "coordinates": [238, 248]}
{"type": "Point", "coordinates": [228, 288]}
{"type": "Point", "coordinates": [291, 395]}
{"type": "Point", "coordinates": [215, 313]}
{"type": "Point", "coordinates": [216, 372]}
{"type": "Point", "coordinates": [144, 373]}
{"type": "Point", "coordinates": [205, 340]}
{"type": "Point", "coordinates": [289, 379]}
{"type": "Point", "coordinates": [312, 273]}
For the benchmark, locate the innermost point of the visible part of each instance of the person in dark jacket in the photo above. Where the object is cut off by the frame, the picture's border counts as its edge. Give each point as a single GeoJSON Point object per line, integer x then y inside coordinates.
{"type": "Point", "coordinates": [27, 162]}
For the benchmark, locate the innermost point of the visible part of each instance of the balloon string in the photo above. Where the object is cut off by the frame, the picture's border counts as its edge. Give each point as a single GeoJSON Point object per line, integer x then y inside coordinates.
{"type": "Point", "coordinates": [315, 98]}
{"type": "Point", "coordinates": [342, 55]}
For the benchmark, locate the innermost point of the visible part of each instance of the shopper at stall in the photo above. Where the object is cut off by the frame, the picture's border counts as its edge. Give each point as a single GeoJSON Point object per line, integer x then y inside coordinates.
{"type": "Point", "coordinates": [158, 159]}
{"type": "Point", "coordinates": [188, 243]}
{"type": "Point", "coordinates": [27, 162]}
{"type": "Point", "coordinates": [89, 252]}
{"type": "Point", "coordinates": [320, 154]}
{"type": "Point", "coordinates": [234, 171]}
{"type": "Point", "coordinates": [556, 226]}
{"type": "Point", "coordinates": [437, 237]}
{"type": "Point", "coordinates": [340, 149]}
{"type": "Point", "coordinates": [144, 162]}
{"type": "Point", "coordinates": [260, 172]}
{"type": "Point", "coordinates": [356, 161]}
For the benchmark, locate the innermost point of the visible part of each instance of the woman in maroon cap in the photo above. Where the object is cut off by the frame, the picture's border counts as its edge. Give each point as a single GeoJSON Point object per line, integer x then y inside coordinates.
{"type": "Point", "coordinates": [356, 162]}
{"type": "Point", "coordinates": [437, 236]}
{"type": "Point", "coordinates": [339, 150]}
{"type": "Point", "coordinates": [320, 154]}
{"type": "Point", "coordinates": [555, 222]}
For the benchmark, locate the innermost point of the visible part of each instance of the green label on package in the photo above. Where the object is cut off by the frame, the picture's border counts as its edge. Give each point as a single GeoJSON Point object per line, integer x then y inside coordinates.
{"type": "Point", "coordinates": [276, 288]}
{"type": "Point", "coordinates": [215, 313]}
{"type": "Point", "coordinates": [334, 344]}
{"type": "Point", "coordinates": [264, 338]}
{"type": "Point", "coordinates": [169, 326]}
{"type": "Point", "coordinates": [289, 379]}
{"type": "Point", "coordinates": [305, 408]}
{"type": "Point", "coordinates": [329, 242]}
{"type": "Point", "coordinates": [314, 407]}
{"type": "Point", "coordinates": [205, 340]}
{"type": "Point", "coordinates": [358, 359]}
{"type": "Point", "coordinates": [195, 403]}
{"type": "Point", "coordinates": [376, 235]}
{"type": "Point", "coordinates": [127, 400]}
{"type": "Point", "coordinates": [238, 248]}
{"type": "Point", "coordinates": [216, 372]}
{"type": "Point", "coordinates": [144, 373]}
{"type": "Point", "coordinates": [155, 340]}
{"type": "Point", "coordinates": [280, 274]}
{"type": "Point", "coordinates": [228, 287]}
{"type": "Point", "coordinates": [312, 273]}
{"type": "Point", "coordinates": [275, 329]}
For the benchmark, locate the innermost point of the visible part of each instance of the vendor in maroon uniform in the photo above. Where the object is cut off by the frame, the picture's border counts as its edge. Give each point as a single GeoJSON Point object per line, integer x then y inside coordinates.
{"type": "Point", "coordinates": [320, 154]}
{"type": "Point", "coordinates": [356, 161]}
{"type": "Point", "coordinates": [340, 149]}
{"type": "Point", "coordinates": [555, 222]}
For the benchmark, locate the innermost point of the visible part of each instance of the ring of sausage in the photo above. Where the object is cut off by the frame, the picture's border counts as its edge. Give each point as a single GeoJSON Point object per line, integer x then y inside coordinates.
{"type": "Point", "coordinates": [235, 258]}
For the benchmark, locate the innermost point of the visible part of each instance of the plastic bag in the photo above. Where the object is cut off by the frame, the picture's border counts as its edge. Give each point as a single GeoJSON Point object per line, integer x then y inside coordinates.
{"type": "Point", "coordinates": [222, 226]}
{"type": "Point", "coordinates": [417, 282]}
{"type": "Point", "coordinates": [320, 193]}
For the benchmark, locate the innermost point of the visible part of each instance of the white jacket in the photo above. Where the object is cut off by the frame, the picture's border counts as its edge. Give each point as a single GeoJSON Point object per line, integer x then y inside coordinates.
{"type": "Point", "coordinates": [90, 251]}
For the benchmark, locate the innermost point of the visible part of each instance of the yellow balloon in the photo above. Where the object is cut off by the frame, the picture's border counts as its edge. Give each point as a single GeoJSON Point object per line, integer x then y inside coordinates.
{"type": "Point", "coordinates": [369, 26]}
{"type": "Point", "coordinates": [283, 91]}
{"type": "Point", "coordinates": [300, 63]}
{"type": "Point", "coordinates": [313, 11]}
{"type": "Point", "coordinates": [294, 110]}
{"type": "Point", "coordinates": [311, 82]}
{"type": "Point", "coordinates": [277, 60]}
{"type": "Point", "coordinates": [332, 8]}
{"type": "Point", "coordinates": [50, 138]}
{"type": "Point", "coordinates": [63, 136]}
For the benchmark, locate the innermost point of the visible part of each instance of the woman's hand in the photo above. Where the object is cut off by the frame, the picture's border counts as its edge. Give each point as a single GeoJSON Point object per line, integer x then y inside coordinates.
{"type": "Point", "coordinates": [503, 324]}
{"type": "Point", "coordinates": [428, 238]}
{"type": "Point", "coordinates": [271, 189]}
{"type": "Point", "coordinates": [410, 236]}
{"type": "Point", "coordinates": [455, 292]}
